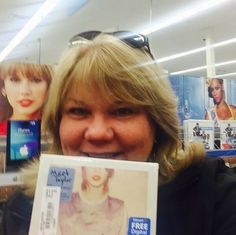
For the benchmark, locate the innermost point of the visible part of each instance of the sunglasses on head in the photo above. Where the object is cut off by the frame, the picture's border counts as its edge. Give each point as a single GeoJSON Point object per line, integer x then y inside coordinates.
{"type": "Point", "coordinates": [134, 40]}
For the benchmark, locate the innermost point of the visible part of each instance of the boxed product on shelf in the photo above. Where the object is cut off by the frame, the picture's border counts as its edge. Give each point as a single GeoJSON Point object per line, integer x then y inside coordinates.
{"type": "Point", "coordinates": [227, 134]}
{"type": "Point", "coordinates": [201, 130]}
{"type": "Point", "coordinates": [84, 195]}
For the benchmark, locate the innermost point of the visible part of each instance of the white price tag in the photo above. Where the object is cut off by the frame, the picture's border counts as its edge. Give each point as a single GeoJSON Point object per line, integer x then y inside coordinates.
{"type": "Point", "coordinates": [49, 210]}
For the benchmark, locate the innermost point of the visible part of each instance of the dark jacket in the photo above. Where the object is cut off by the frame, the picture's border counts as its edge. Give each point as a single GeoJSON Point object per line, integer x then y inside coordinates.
{"type": "Point", "coordinates": [200, 201]}
{"type": "Point", "coordinates": [17, 215]}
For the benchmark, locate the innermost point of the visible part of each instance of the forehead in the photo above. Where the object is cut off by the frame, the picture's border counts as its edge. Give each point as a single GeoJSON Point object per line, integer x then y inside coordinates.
{"type": "Point", "coordinates": [215, 82]}
{"type": "Point", "coordinates": [92, 94]}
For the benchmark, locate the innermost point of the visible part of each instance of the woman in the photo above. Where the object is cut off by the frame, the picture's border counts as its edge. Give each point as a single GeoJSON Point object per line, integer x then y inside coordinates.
{"type": "Point", "coordinates": [92, 210]}
{"type": "Point", "coordinates": [221, 110]}
{"type": "Point", "coordinates": [116, 103]}
{"type": "Point", "coordinates": [24, 90]}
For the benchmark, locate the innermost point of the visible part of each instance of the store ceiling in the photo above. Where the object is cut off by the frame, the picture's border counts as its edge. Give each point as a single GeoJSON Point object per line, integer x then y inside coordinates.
{"type": "Point", "coordinates": [48, 40]}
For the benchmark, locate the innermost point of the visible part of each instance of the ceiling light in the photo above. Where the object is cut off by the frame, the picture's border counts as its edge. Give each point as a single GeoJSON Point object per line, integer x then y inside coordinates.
{"type": "Point", "coordinates": [184, 14]}
{"type": "Point", "coordinates": [202, 67]}
{"type": "Point", "coordinates": [181, 54]}
{"type": "Point", "coordinates": [225, 63]}
{"type": "Point", "coordinates": [193, 51]}
{"type": "Point", "coordinates": [225, 75]}
{"type": "Point", "coordinates": [189, 70]}
{"type": "Point", "coordinates": [46, 7]}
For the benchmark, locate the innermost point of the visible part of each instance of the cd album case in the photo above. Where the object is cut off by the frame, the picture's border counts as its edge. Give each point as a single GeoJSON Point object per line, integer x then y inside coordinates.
{"type": "Point", "coordinates": [83, 195]}
{"type": "Point", "coordinates": [200, 130]}
{"type": "Point", "coordinates": [227, 134]}
{"type": "Point", "coordinates": [23, 141]}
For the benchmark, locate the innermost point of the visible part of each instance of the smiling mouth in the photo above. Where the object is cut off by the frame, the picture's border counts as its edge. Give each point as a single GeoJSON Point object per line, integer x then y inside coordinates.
{"type": "Point", "coordinates": [101, 155]}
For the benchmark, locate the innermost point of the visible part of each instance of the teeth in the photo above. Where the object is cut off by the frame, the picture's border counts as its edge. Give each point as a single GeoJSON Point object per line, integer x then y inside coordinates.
{"type": "Point", "coordinates": [100, 155]}
{"type": "Point", "coordinates": [105, 155]}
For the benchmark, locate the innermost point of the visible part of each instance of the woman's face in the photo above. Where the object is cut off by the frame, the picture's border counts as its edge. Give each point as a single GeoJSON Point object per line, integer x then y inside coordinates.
{"type": "Point", "coordinates": [216, 91]}
{"type": "Point", "coordinates": [25, 95]}
{"type": "Point", "coordinates": [91, 126]}
{"type": "Point", "coordinates": [96, 177]}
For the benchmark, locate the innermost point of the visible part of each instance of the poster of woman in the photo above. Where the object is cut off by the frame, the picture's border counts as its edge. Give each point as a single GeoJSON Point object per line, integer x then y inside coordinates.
{"type": "Point", "coordinates": [219, 108]}
{"type": "Point", "coordinates": [91, 209]}
{"type": "Point", "coordinates": [23, 91]}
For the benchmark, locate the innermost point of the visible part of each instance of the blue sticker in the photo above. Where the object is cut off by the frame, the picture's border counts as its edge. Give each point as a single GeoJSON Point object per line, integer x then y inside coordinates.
{"type": "Point", "coordinates": [139, 226]}
{"type": "Point", "coordinates": [64, 178]}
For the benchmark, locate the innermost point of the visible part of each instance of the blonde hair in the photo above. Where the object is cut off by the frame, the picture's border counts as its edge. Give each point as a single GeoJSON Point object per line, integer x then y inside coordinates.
{"type": "Point", "coordinates": [122, 73]}
{"type": "Point", "coordinates": [29, 70]}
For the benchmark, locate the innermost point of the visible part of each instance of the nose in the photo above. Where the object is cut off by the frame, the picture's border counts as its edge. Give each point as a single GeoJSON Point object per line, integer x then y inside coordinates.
{"type": "Point", "coordinates": [99, 130]}
{"type": "Point", "coordinates": [25, 88]}
{"type": "Point", "coordinates": [214, 93]}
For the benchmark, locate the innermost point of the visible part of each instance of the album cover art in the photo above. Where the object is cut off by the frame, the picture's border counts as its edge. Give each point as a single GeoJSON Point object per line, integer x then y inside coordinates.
{"type": "Point", "coordinates": [200, 130]}
{"type": "Point", "coordinates": [227, 134]}
{"type": "Point", "coordinates": [81, 195]}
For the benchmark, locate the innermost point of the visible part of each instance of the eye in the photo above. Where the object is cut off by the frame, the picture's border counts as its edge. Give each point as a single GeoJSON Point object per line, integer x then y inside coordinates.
{"type": "Point", "coordinates": [211, 89]}
{"type": "Point", "coordinates": [36, 79]}
{"type": "Point", "coordinates": [123, 111]}
{"type": "Point", "coordinates": [78, 111]}
{"type": "Point", "coordinates": [14, 79]}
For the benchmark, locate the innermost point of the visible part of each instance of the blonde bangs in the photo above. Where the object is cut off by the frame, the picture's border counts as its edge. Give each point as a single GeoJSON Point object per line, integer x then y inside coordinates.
{"type": "Point", "coordinates": [101, 69]}
{"type": "Point", "coordinates": [26, 70]}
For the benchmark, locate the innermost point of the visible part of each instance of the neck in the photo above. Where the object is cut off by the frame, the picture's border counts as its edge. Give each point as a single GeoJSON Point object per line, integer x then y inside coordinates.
{"type": "Point", "coordinates": [93, 194]}
{"type": "Point", "coordinates": [221, 104]}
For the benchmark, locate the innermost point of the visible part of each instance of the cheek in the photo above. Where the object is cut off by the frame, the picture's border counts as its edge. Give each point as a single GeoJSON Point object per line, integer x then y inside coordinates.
{"type": "Point", "coordinates": [11, 96]}
{"type": "Point", "coordinates": [139, 136]}
{"type": "Point", "coordinates": [40, 92]}
{"type": "Point", "coordinates": [70, 134]}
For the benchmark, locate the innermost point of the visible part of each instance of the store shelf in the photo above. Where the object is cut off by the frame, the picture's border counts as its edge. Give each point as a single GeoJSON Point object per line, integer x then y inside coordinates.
{"type": "Point", "coordinates": [10, 179]}
{"type": "Point", "coordinates": [222, 153]}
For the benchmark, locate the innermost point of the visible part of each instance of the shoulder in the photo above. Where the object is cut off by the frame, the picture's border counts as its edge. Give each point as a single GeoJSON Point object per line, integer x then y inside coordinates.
{"type": "Point", "coordinates": [210, 174]}
{"type": "Point", "coordinates": [233, 108]}
{"type": "Point", "coordinates": [217, 180]}
{"type": "Point", "coordinates": [208, 189]}
{"type": "Point", "coordinates": [215, 169]}
{"type": "Point", "coordinates": [115, 203]}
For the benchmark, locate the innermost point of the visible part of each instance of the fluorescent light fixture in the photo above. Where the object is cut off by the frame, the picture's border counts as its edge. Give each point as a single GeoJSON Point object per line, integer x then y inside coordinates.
{"type": "Point", "coordinates": [203, 67]}
{"type": "Point", "coordinates": [223, 43]}
{"type": "Point", "coordinates": [46, 7]}
{"type": "Point", "coordinates": [189, 70]}
{"type": "Point", "coordinates": [225, 75]}
{"type": "Point", "coordinates": [225, 63]}
{"type": "Point", "coordinates": [181, 54]}
{"type": "Point", "coordinates": [175, 18]}
{"type": "Point", "coordinates": [194, 51]}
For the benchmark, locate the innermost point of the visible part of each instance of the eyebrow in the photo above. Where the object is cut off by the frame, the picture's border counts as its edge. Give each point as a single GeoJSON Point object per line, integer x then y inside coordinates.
{"type": "Point", "coordinates": [74, 100]}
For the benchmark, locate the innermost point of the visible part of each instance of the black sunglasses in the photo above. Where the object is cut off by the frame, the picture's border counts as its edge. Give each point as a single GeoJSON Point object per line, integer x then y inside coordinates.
{"type": "Point", "coordinates": [134, 40]}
